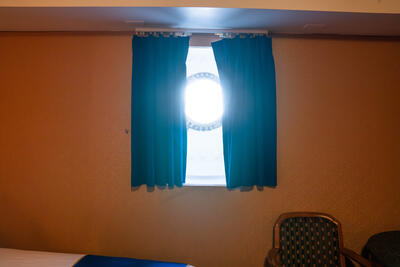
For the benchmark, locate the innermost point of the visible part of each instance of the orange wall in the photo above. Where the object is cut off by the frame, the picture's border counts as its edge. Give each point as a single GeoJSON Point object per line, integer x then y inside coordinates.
{"type": "Point", "coordinates": [65, 155]}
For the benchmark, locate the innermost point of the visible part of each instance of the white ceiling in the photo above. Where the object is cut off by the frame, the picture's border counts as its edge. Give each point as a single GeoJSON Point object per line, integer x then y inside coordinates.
{"type": "Point", "coordinates": [127, 18]}
{"type": "Point", "coordinates": [363, 6]}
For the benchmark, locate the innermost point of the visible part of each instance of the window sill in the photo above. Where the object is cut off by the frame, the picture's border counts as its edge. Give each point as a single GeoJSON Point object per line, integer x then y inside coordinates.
{"type": "Point", "coordinates": [205, 181]}
{"type": "Point", "coordinates": [204, 185]}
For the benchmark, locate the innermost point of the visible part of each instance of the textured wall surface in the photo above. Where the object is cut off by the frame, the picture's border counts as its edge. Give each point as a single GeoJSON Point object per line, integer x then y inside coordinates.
{"type": "Point", "coordinates": [65, 153]}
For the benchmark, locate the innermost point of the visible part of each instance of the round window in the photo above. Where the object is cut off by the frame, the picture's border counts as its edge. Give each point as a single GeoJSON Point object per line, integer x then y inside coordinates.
{"type": "Point", "coordinates": [203, 102]}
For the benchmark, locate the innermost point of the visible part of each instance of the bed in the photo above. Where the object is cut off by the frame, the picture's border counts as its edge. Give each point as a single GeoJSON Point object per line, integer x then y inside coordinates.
{"type": "Point", "coordinates": [29, 258]}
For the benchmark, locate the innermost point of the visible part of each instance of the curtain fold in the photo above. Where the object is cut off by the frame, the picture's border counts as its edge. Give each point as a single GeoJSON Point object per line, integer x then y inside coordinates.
{"type": "Point", "coordinates": [247, 74]}
{"type": "Point", "coordinates": [158, 138]}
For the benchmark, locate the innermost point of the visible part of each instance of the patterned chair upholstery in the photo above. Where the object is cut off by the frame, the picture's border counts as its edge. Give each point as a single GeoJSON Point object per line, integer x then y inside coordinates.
{"type": "Point", "coordinates": [309, 239]}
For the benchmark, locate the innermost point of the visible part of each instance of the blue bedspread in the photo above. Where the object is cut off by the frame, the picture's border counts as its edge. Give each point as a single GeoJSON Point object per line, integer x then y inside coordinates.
{"type": "Point", "coordinates": [102, 261]}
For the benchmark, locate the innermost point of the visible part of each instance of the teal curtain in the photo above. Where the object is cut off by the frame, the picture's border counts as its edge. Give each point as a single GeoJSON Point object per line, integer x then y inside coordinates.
{"type": "Point", "coordinates": [247, 73]}
{"type": "Point", "coordinates": [158, 123]}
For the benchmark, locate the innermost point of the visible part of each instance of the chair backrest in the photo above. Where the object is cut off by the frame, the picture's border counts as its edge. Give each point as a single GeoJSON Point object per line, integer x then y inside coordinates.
{"type": "Point", "coordinates": [309, 239]}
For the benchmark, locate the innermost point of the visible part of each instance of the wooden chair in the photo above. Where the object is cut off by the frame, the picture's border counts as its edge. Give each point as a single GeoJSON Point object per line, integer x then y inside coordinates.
{"type": "Point", "coordinates": [309, 239]}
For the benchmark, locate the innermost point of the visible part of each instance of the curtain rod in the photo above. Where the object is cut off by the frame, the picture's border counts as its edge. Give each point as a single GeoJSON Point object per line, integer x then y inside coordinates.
{"type": "Point", "coordinates": [209, 31]}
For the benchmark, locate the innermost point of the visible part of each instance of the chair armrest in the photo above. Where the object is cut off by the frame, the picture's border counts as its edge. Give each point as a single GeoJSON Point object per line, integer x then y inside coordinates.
{"type": "Point", "coordinates": [357, 258]}
{"type": "Point", "coordinates": [273, 258]}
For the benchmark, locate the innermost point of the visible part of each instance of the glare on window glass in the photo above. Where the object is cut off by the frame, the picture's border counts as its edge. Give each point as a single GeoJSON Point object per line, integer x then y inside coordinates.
{"type": "Point", "coordinates": [203, 101]}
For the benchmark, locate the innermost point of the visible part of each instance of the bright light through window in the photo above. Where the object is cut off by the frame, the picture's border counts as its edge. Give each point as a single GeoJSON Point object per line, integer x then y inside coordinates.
{"type": "Point", "coordinates": [203, 101]}
{"type": "Point", "coordinates": [203, 109]}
